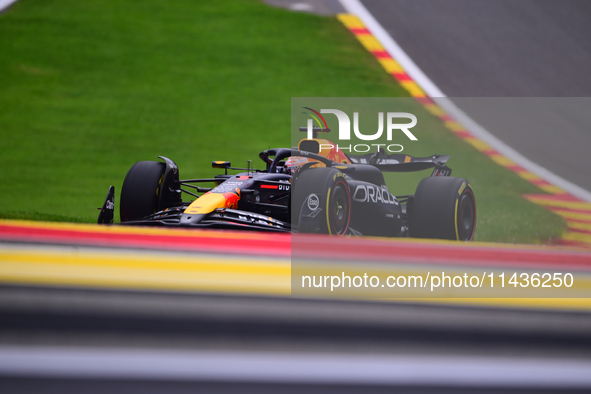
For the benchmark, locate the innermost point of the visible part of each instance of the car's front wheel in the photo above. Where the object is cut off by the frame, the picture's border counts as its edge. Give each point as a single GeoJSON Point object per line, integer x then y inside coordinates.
{"type": "Point", "coordinates": [141, 189]}
{"type": "Point", "coordinates": [321, 202]}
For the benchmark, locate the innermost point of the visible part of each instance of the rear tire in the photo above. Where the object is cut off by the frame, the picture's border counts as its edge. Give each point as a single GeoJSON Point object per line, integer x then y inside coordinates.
{"type": "Point", "coordinates": [141, 189]}
{"type": "Point", "coordinates": [331, 192]}
{"type": "Point", "coordinates": [444, 208]}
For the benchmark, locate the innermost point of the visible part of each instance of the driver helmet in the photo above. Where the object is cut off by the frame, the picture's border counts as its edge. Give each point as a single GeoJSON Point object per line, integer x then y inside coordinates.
{"type": "Point", "coordinates": [293, 163]}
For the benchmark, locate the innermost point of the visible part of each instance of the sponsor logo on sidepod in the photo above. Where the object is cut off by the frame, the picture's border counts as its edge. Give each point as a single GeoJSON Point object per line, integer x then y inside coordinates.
{"type": "Point", "coordinates": [370, 193]}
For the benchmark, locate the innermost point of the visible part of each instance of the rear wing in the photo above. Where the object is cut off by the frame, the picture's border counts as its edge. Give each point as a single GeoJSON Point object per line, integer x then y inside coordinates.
{"type": "Point", "coordinates": [404, 163]}
{"type": "Point", "coordinates": [388, 163]}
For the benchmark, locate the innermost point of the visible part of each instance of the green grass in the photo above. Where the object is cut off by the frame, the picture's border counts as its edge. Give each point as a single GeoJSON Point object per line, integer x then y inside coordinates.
{"type": "Point", "coordinates": [89, 88]}
{"type": "Point", "coordinates": [46, 217]}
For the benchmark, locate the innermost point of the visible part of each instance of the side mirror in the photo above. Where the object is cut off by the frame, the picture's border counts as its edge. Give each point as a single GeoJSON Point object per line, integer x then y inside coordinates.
{"type": "Point", "coordinates": [220, 164]}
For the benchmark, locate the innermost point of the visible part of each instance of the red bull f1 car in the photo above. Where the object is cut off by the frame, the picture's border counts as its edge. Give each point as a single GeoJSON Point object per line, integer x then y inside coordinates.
{"type": "Point", "coordinates": [306, 190]}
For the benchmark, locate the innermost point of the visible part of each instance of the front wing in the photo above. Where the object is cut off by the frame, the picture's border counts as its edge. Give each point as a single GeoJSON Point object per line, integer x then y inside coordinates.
{"type": "Point", "coordinates": [221, 218]}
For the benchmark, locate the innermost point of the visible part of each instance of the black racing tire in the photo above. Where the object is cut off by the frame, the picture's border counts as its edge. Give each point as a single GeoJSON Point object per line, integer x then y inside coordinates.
{"type": "Point", "coordinates": [332, 190]}
{"type": "Point", "coordinates": [140, 191]}
{"type": "Point", "coordinates": [443, 208]}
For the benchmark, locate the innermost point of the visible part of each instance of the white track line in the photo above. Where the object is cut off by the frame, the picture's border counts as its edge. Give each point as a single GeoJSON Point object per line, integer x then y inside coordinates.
{"type": "Point", "coordinates": [356, 7]}
{"type": "Point", "coordinates": [249, 366]}
{"type": "Point", "coordinates": [6, 3]}
{"type": "Point", "coordinates": [504, 149]}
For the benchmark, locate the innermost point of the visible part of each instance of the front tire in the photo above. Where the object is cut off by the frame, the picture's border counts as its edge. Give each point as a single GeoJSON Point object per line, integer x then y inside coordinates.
{"type": "Point", "coordinates": [321, 202]}
{"type": "Point", "coordinates": [141, 190]}
{"type": "Point", "coordinates": [444, 208]}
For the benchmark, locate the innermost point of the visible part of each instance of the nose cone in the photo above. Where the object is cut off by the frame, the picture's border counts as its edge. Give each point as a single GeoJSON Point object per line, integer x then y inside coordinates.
{"type": "Point", "coordinates": [189, 219]}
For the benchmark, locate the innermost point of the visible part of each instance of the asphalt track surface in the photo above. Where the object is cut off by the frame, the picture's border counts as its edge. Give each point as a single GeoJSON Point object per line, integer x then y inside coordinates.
{"type": "Point", "coordinates": [491, 57]}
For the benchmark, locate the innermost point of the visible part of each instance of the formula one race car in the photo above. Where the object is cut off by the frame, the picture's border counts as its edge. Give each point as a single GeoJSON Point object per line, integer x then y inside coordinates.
{"type": "Point", "coordinates": [306, 190]}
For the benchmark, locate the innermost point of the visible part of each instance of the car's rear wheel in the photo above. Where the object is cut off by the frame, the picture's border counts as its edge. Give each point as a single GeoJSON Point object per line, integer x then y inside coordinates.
{"type": "Point", "coordinates": [444, 208]}
{"type": "Point", "coordinates": [141, 189]}
{"type": "Point", "coordinates": [321, 202]}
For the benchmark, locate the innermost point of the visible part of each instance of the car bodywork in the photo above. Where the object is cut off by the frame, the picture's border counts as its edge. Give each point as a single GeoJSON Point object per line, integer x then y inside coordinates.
{"type": "Point", "coordinates": [267, 199]}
